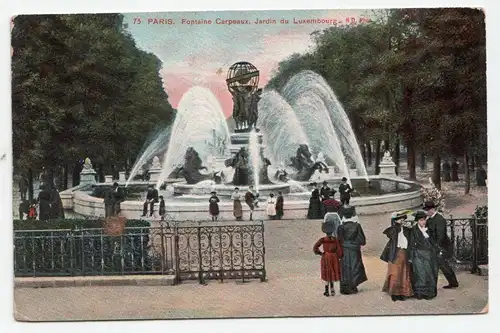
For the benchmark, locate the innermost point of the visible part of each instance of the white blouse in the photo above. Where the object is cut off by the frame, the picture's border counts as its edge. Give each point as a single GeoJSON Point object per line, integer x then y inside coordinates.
{"type": "Point", "coordinates": [402, 241]}
{"type": "Point", "coordinates": [424, 231]}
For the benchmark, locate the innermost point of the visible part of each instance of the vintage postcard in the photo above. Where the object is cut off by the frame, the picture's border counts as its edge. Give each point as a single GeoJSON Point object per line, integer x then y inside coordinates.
{"type": "Point", "coordinates": [233, 164]}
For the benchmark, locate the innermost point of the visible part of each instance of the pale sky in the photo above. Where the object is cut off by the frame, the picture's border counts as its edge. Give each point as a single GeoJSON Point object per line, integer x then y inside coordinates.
{"type": "Point", "coordinates": [201, 54]}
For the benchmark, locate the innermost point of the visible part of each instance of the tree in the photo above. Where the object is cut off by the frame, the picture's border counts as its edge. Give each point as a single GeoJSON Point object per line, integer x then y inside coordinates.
{"type": "Point", "coordinates": [81, 88]}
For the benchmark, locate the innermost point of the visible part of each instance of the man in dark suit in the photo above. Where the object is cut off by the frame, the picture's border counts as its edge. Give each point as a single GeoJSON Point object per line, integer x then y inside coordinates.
{"type": "Point", "coordinates": [325, 191]}
{"type": "Point", "coordinates": [151, 199]}
{"type": "Point", "coordinates": [345, 192]}
{"type": "Point", "coordinates": [436, 225]}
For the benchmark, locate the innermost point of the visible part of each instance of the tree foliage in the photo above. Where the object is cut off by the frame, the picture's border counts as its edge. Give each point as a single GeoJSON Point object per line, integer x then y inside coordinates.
{"type": "Point", "coordinates": [81, 88]}
{"type": "Point", "coordinates": [416, 75]}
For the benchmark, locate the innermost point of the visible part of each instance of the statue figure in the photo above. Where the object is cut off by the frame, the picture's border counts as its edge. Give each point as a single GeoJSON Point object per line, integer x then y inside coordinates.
{"type": "Point", "coordinates": [177, 172]}
{"type": "Point", "coordinates": [253, 110]}
{"type": "Point", "coordinates": [241, 166]}
{"type": "Point", "coordinates": [265, 163]}
{"type": "Point", "coordinates": [304, 164]}
{"type": "Point", "coordinates": [192, 167]}
{"type": "Point", "coordinates": [156, 163]}
{"type": "Point", "coordinates": [87, 165]}
{"type": "Point", "coordinates": [281, 174]}
{"type": "Point", "coordinates": [387, 157]}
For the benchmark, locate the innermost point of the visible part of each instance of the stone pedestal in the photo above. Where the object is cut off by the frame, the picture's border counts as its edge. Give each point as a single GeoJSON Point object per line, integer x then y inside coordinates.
{"type": "Point", "coordinates": [88, 174]}
{"type": "Point", "coordinates": [154, 175]}
{"type": "Point", "coordinates": [239, 140]}
{"type": "Point", "coordinates": [108, 178]}
{"type": "Point", "coordinates": [387, 166]}
{"type": "Point", "coordinates": [122, 178]}
{"type": "Point", "coordinates": [88, 177]}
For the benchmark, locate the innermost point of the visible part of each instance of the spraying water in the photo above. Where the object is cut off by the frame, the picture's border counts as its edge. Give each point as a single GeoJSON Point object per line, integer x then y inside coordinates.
{"type": "Point", "coordinates": [199, 118]}
{"type": "Point", "coordinates": [281, 128]}
{"type": "Point", "coordinates": [153, 147]}
{"type": "Point", "coordinates": [255, 160]}
{"type": "Point", "coordinates": [315, 103]}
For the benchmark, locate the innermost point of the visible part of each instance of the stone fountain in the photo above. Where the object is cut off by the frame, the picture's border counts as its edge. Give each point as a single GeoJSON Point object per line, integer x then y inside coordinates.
{"type": "Point", "coordinates": [282, 142]}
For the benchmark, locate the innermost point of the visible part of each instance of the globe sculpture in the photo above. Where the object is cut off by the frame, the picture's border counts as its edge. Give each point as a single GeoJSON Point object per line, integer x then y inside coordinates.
{"type": "Point", "coordinates": [242, 82]}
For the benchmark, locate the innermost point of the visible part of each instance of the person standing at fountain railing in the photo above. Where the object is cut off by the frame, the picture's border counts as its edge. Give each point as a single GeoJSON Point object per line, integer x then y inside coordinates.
{"type": "Point", "coordinates": [345, 191]}
{"type": "Point", "coordinates": [251, 200]}
{"type": "Point", "coordinates": [237, 208]}
{"type": "Point", "coordinates": [162, 210]}
{"type": "Point", "coordinates": [316, 208]}
{"type": "Point", "coordinates": [271, 207]}
{"type": "Point", "coordinates": [213, 206]}
{"type": "Point", "coordinates": [279, 206]}
{"type": "Point", "coordinates": [151, 199]}
{"type": "Point", "coordinates": [325, 191]}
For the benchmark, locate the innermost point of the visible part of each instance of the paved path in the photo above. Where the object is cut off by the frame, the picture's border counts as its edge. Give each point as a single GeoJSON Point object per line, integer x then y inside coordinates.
{"type": "Point", "coordinates": [293, 289]}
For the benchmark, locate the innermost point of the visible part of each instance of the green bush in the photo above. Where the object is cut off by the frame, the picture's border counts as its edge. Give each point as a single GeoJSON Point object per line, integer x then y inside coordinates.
{"type": "Point", "coordinates": [72, 224]}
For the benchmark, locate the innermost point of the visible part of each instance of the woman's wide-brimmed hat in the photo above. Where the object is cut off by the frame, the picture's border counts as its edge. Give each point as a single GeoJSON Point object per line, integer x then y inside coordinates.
{"type": "Point", "coordinates": [419, 215]}
{"type": "Point", "coordinates": [213, 192]}
{"type": "Point", "coordinates": [344, 179]}
{"type": "Point", "coordinates": [327, 228]}
{"type": "Point", "coordinates": [401, 215]}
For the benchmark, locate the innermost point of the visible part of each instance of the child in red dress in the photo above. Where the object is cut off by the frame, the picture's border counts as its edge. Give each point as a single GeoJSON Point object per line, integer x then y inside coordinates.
{"type": "Point", "coordinates": [332, 252]}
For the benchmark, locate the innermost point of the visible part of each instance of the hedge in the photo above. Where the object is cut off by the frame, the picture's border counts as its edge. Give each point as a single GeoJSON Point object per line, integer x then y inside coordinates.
{"type": "Point", "coordinates": [72, 224]}
{"type": "Point", "coordinates": [82, 252]}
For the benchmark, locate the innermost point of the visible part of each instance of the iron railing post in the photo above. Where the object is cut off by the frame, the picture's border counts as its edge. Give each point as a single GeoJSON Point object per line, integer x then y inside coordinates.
{"type": "Point", "coordinates": [473, 224]}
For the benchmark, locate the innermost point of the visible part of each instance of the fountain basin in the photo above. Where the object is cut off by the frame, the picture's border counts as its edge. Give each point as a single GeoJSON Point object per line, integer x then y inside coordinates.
{"type": "Point", "coordinates": [195, 207]}
{"type": "Point", "coordinates": [225, 190]}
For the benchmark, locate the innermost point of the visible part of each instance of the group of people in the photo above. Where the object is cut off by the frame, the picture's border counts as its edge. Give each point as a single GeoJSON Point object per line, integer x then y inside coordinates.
{"type": "Point", "coordinates": [274, 207]}
{"type": "Point", "coordinates": [152, 198]}
{"type": "Point", "coordinates": [414, 254]}
{"type": "Point", "coordinates": [48, 205]}
{"type": "Point", "coordinates": [323, 201]}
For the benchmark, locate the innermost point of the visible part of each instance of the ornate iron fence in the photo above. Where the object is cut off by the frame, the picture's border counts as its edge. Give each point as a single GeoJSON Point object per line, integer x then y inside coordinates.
{"type": "Point", "coordinates": [469, 238]}
{"type": "Point", "coordinates": [218, 251]}
{"type": "Point", "coordinates": [189, 251]}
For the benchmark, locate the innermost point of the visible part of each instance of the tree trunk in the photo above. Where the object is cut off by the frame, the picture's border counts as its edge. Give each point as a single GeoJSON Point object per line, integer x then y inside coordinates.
{"type": "Point", "coordinates": [436, 171]}
{"type": "Point", "coordinates": [377, 157]}
{"type": "Point", "coordinates": [387, 145]}
{"type": "Point", "coordinates": [467, 173]}
{"type": "Point", "coordinates": [396, 156]}
{"type": "Point", "coordinates": [423, 162]}
{"type": "Point", "coordinates": [30, 185]}
{"type": "Point", "coordinates": [369, 152]}
{"type": "Point", "coordinates": [473, 163]}
{"type": "Point", "coordinates": [412, 160]}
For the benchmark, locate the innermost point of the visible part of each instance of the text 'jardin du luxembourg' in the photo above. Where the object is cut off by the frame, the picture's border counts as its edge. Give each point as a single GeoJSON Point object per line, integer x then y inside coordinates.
{"type": "Point", "coordinates": [258, 21]}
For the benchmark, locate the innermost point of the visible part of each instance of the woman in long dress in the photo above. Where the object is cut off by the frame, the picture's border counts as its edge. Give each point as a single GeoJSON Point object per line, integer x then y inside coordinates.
{"type": "Point", "coordinates": [351, 236]}
{"type": "Point", "coordinates": [237, 208]}
{"type": "Point", "coordinates": [280, 206]}
{"type": "Point", "coordinates": [315, 210]}
{"type": "Point", "coordinates": [332, 252]}
{"type": "Point", "coordinates": [423, 256]}
{"type": "Point", "coordinates": [213, 206]}
{"type": "Point", "coordinates": [395, 254]}
{"type": "Point", "coordinates": [271, 207]}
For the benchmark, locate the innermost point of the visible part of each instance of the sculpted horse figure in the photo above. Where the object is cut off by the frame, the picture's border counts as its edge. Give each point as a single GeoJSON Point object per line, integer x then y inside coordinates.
{"type": "Point", "coordinates": [304, 165]}
{"type": "Point", "coordinates": [192, 166]}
